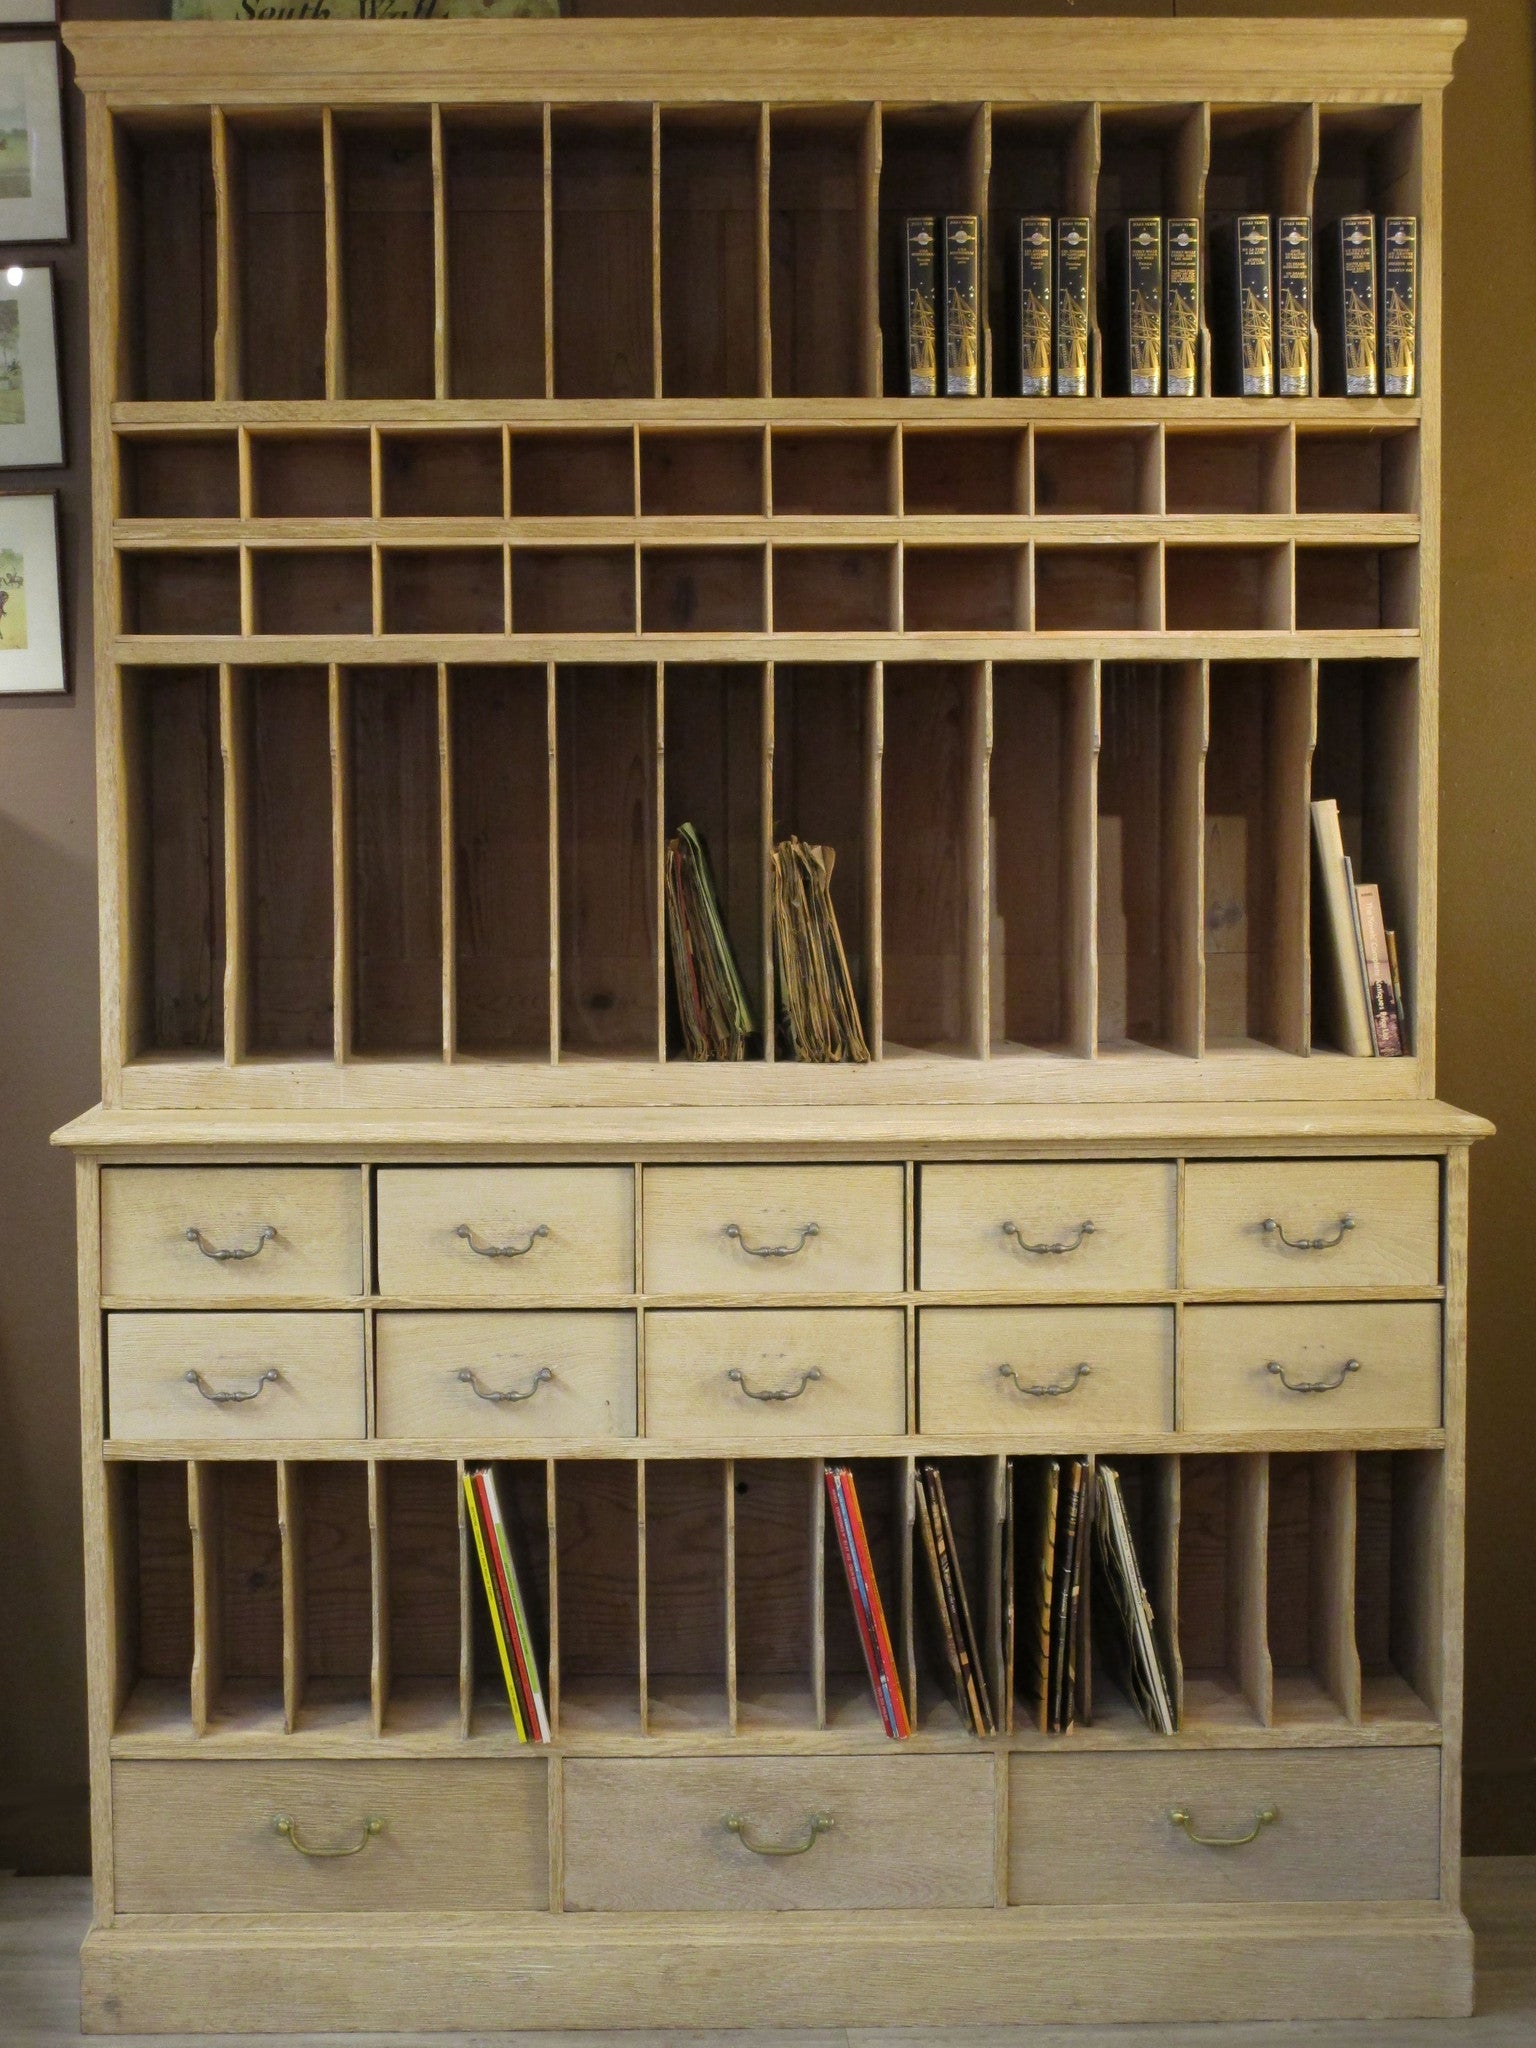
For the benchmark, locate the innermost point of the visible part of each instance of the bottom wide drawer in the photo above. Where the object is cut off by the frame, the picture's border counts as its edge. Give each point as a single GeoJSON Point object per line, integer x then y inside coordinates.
{"type": "Point", "coordinates": [710, 1835]}
{"type": "Point", "coordinates": [1235, 1825]}
{"type": "Point", "coordinates": [330, 1837]}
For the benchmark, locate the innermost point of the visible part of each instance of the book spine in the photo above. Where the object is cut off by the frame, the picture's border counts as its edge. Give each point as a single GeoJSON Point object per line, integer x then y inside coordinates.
{"type": "Point", "coordinates": [1397, 986]}
{"type": "Point", "coordinates": [936, 1579]}
{"type": "Point", "coordinates": [528, 1666]}
{"type": "Point", "coordinates": [900, 1726]}
{"type": "Point", "coordinates": [1380, 992]}
{"type": "Point", "coordinates": [493, 1603]}
{"type": "Point", "coordinates": [1255, 306]}
{"type": "Point", "coordinates": [969, 1636]}
{"type": "Point", "coordinates": [858, 1594]}
{"type": "Point", "coordinates": [1293, 313]}
{"type": "Point", "coordinates": [1399, 279]}
{"type": "Point", "coordinates": [1034, 313]}
{"type": "Point", "coordinates": [921, 307]}
{"type": "Point", "coordinates": [1352, 1021]}
{"type": "Point", "coordinates": [1142, 310]}
{"type": "Point", "coordinates": [1066, 1564]}
{"type": "Point", "coordinates": [1074, 271]}
{"type": "Point", "coordinates": [1352, 305]}
{"type": "Point", "coordinates": [1181, 308]}
{"type": "Point", "coordinates": [962, 305]}
{"type": "Point", "coordinates": [948, 1571]}
{"type": "Point", "coordinates": [495, 1550]}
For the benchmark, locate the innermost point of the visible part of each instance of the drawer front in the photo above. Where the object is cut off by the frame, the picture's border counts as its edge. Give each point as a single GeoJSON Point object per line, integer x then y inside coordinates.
{"type": "Point", "coordinates": [775, 1373]}
{"type": "Point", "coordinates": [774, 1230]}
{"type": "Point", "coordinates": [690, 1835]}
{"type": "Point", "coordinates": [1013, 1372]}
{"type": "Point", "coordinates": [231, 1233]}
{"type": "Point", "coordinates": [456, 1836]}
{"type": "Point", "coordinates": [506, 1233]}
{"type": "Point", "coordinates": [1349, 1824]}
{"type": "Point", "coordinates": [1326, 1367]}
{"type": "Point", "coordinates": [485, 1373]}
{"type": "Point", "coordinates": [1048, 1229]}
{"type": "Point", "coordinates": [1281, 1223]}
{"type": "Point", "coordinates": [302, 1375]}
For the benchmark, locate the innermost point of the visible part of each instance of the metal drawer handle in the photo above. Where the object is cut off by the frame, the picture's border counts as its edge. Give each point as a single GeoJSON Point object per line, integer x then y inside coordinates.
{"type": "Point", "coordinates": [195, 1379]}
{"type": "Point", "coordinates": [224, 1253]}
{"type": "Point", "coordinates": [1049, 1251]}
{"type": "Point", "coordinates": [1309, 1244]}
{"type": "Point", "coordinates": [1325, 1386]}
{"type": "Point", "coordinates": [1182, 1818]}
{"type": "Point", "coordinates": [773, 1251]}
{"type": "Point", "coordinates": [284, 1824]}
{"type": "Point", "coordinates": [471, 1378]}
{"type": "Point", "coordinates": [1047, 1389]}
{"type": "Point", "coordinates": [816, 1825]}
{"type": "Point", "coordinates": [502, 1251]}
{"type": "Point", "coordinates": [812, 1372]}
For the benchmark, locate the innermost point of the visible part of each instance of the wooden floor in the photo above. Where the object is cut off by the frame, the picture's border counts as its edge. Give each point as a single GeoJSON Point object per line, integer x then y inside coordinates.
{"type": "Point", "coordinates": [43, 1919]}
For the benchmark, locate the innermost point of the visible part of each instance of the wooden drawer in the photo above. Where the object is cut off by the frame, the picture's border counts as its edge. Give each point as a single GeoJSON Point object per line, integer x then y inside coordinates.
{"type": "Point", "coordinates": [316, 1388]}
{"type": "Point", "coordinates": [456, 1836]}
{"type": "Point", "coordinates": [1048, 1229]}
{"type": "Point", "coordinates": [231, 1233]}
{"type": "Point", "coordinates": [1349, 1824]}
{"type": "Point", "coordinates": [559, 1374]}
{"type": "Point", "coordinates": [1281, 1223]}
{"type": "Point", "coordinates": [775, 1373]}
{"type": "Point", "coordinates": [1017, 1372]}
{"type": "Point", "coordinates": [774, 1230]}
{"type": "Point", "coordinates": [504, 1233]}
{"type": "Point", "coordinates": [1342, 1367]}
{"type": "Point", "coordinates": [645, 1835]}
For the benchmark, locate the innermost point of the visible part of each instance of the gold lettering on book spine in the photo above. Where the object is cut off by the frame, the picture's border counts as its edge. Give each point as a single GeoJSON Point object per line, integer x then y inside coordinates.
{"type": "Point", "coordinates": [1258, 356]}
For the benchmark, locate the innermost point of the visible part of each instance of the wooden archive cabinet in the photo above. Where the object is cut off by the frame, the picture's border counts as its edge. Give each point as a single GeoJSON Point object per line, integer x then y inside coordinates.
{"type": "Point", "coordinates": [495, 467]}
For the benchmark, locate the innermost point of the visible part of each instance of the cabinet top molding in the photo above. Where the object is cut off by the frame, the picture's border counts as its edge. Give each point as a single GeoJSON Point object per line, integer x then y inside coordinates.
{"type": "Point", "coordinates": [820, 62]}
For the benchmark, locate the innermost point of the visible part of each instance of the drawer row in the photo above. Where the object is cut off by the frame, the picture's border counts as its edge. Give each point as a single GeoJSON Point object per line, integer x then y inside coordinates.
{"type": "Point", "coordinates": [775, 1375]}
{"type": "Point", "coordinates": [776, 1833]}
{"type": "Point", "coordinates": [230, 1233]}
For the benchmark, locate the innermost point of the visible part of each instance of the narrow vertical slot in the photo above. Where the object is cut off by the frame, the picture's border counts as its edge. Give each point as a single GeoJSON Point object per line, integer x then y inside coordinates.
{"type": "Point", "coordinates": [817, 257]}
{"type": "Point", "coordinates": [335, 261]}
{"type": "Point", "coordinates": [279, 272]}
{"type": "Point", "coordinates": [249, 1576]}
{"type": "Point", "coordinates": [1148, 856]}
{"type": "Point", "coordinates": [728, 1510]}
{"type": "Point", "coordinates": [1367, 759]}
{"type": "Point", "coordinates": [1152, 162]}
{"type": "Point", "coordinates": [379, 1561]}
{"type": "Point", "coordinates": [166, 238]}
{"type": "Point", "coordinates": [343, 838]}
{"type": "Point", "coordinates": [1037, 165]}
{"type": "Point", "coordinates": [824, 791]}
{"type": "Point", "coordinates": [1257, 850]}
{"type": "Point", "coordinates": [447, 881]}
{"type": "Point", "coordinates": [522, 1490]}
{"type": "Point", "coordinates": [493, 166]}
{"type": "Point", "coordinates": [818, 1605]}
{"type": "Point", "coordinates": [713, 763]}
{"type": "Point", "coordinates": [1262, 161]}
{"type": "Point", "coordinates": [603, 314]}
{"type": "Point", "coordinates": [175, 860]}
{"type": "Point", "coordinates": [290, 1529]}
{"type": "Point", "coordinates": [395, 877]}
{"type": "Point", "coordinates": [420, 1546]}
{"type": "Point", "coordinates": [599, 1582]}
{"type": "Point", "coordinates": [388, 266]}
{"type": "Point", "coordinates": [1399, 1591]}
{"type": "Point", "coordinates": [337, 1579]}
{"type": "Point", "coordinates": [968, 1566]}
{"type": "Point", "coordinates": [152, 1569]}
{"type": "Point", "coordinates": [933, 886]}
{"type": "Point", "coordinates": [685, 1608]}
{"type": "Point", "coordinates": [286, 883]}
{"type": "Point", "coordinates": [926, 167]}
{"type": "Point", "coordinates": [236, 811]}
{"type": "Point", "coordinates": [501, 830]}
{"type": "Point", "coordinates": [851, 1706]}
{"type": "Point", "coordinates": [607, 826]}
{"type": "Point", "coordinates": [1149, 1489]}
{"type": "Point", "coordinates": [1369, 160]}
{"type": "Point", "coordinates": [709, 256]}
{"type": "Point", "coordinates": [1309, 1569]}
{"type": "Point", "coordinates": [1222, 1601]}
{"type": "Point", "coordinates": [207, 1525]}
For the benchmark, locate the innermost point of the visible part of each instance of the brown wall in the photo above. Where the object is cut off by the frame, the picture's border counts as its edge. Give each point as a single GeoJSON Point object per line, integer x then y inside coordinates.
{"type": "Point", "coordinates": [1488, 968]}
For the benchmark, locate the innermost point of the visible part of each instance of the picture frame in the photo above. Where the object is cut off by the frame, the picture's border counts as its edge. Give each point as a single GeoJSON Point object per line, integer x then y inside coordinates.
{"type": "Point", "coordinates": [29, 13]}
{"type": "Point", "coordinates": [33, 200]}
{"type": "Point", "coordinates": [31, 597]}
{"type": "Point", "coordinates": [31, 415]}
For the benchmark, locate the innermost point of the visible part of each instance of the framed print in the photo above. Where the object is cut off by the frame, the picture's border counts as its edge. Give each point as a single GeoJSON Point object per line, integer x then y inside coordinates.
{"type": "Point", "coordinates": [31, 614]}
{"type": "Point", "coordinates": [32, 204]}
{"type": "Point", "coordinates": [26, 13]}
{"type": "Point", "coordinates": [31, 420]}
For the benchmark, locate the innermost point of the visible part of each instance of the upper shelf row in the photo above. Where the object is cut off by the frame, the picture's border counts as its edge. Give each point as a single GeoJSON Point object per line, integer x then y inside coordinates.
{"type": "Point", "coordinates": [639, 251]}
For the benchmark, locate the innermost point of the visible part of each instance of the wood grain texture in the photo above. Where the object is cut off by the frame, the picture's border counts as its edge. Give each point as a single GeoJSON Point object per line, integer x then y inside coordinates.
{"type": "Point", "coordinates": [774, 1231]}
{"type": "Point", "coordinates": [965, 1244]}
{"type": "Point", "coordinates": [963, 1389]}
{"type": "Point", "coordinates": [318, 1360]}
{"type": "Point", "coordinates": [315, 1215]}
{"type": "Point", "coordinates": [1394, 1239]}
{"type": "Point", "coordinates": [576, 1222]}
{"type": "Point", "coordinates": [1228, 1351]}
{"type": "Point", "coordinates": [857, 1357]}
{"type": "Point", "coordinates": [588, 1358]}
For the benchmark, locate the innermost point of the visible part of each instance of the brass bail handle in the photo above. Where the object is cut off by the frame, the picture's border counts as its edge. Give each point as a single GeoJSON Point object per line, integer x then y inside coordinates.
{"type": "Point", "coordinates": [221, 1394]}
{"type": "Point", "coordinates": [1322, 1386]}
{"type": "Point", "coordinates": [1264, 1817]}
{"type": "Point", "coordinates": [224, 1253]}
{"type": "Point", "coordinates": [285, 1825]}
{"type": "Point", "coordinates": [1046, 1249]}
{"type": "Point", "coordinates": [1047, 1390]}
{"type": "Point", "coordinates": [807, 1231]}
{"type": "Point", "coordinates": [816, 1825]}
{"type": "Point", "coordinates": [470, 1378]}
{"type": "Point", "coordinates": [511, 1250]}
{"type": "Point", "coordinates": [1272, 1227]}
{"type": "Point", "coordinates": [811, 1374]}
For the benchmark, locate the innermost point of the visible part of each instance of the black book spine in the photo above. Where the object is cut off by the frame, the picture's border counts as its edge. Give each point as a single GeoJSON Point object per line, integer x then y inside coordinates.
{"type": "Point", "coordinates": [1348, 307]}
{"type": "Point", "coordinates": [1255, 306]}
{"type": "Point", "coordinates": [918, 284]}
{"type": "Point", "coordinates": [1035, 306]}
{"type": "Point", "coordinates": [1181, 308]}
{"type": "Point", "coordinates": [962, 305]}
{"type": "Point", "coordinates": [1293, 309]}
{"type": "Point", "coordinates": [1074, 271]}
{"type": "Point", "coordinates": [1141, 312]}
{"type": "Point", "coordinates": [1399, 278]}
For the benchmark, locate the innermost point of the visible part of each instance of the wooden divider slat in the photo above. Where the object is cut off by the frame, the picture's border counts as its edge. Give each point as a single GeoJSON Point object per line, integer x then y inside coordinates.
{"type": "Point", "coordinates": [207, 1608]}
{"type": "Point", "coordinates": [1190, 169]}
{"type": "Point", "coordinates": [870, 152]}
{"type": "Point", "coordinates": [549, 253]}
{"type": "Point", "coordinates": [655, 263]}
{"type": "Point", "coordinates": [818, 1590]}
{"type": "Point", "coordinates": [765, 803]}
{"type": "Point", "coordinates": [1081, 825]}
{"type": "Point", "coordinates": [763, 251]}
{"type": "Point", "coordinates": [1185, 812]}
{"type": "Point", "coordinates": [378, 1579]}
{"type": "Point", "coordinates": [441, 338]}
{"type": "Point", "coordinates": [340, 691]}
{"type": "Point", "coordinates": [1082, 186]}
{"type": "Point", "coordinates": [992, 1586]}
{"type": "Point", "coordinates": [659, 851]}
{"type": "Point", "coordinates": [290, 1530]}
{"type": "Point", "coordinates": [226, 214]}
{"type": "Point", "coordinates": [728, 1469]}
{"type": "Point", "coordinates": [335, 302]}
{"type": "Point", "coordinates": [1298, 178]}
{"type": "Point", "coordinates": [234, 768]}
{"type": "Point", "coordinates": [978, 182]}
{"type": "Point", "coordinates": [643, 1644]}
{"type": "Point", "coordinates": [551, 713]}
{"type": "Point", "coordinates": [1335, 1655]}
{"type": "Point", "coordinates": [1248, 1582]}
{"type": "Point", "coordinates": [976, 855]}
{"type": "Point", "coordinates": [445, 821]}
{"type": "Point", "coordinates": [1163, 1576]}
{"type": "Point", "coordinates": [874, 742]}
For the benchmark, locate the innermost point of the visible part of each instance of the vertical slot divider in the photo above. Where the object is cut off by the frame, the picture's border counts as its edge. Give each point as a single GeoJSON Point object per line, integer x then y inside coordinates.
{"type": "Point", "coordinates": [290, 1533]}
{"type": "Point", "coordinates": [659, 852]}
{"type": "Point", "coordinates": [1191, 168]}
{"type": "Point", "coordinates": [1184, 952]}
{"type": "Point", "coordinates": [729, 1477]}
{"type": "Point", "coordinates": [1335, 1655]}
{"type": "Point", "coordinates": [445, 822]}
{"type": "Point", "coordinates": [1082, 197]}
{"type": "Point", "coordinates": [1289, 754]}
{"type": "Point", "coordinates": [340, 695]}
{"type": "Point", "coordinates": [978, 179]}
{"type": "Point", "coordinates": [1166, 1476]}
{"type": "Point", "coordinates": [905, 1478]}
{"type": "Point", "coordinates": [871, 148]}
{"type": "Point", "coordinates": [376, 506]}
{"type": "Point", "coordinates": [549, 253]}
{"type": "Point", "coordinates": [245, 466]}
{"type": "Point", "coordinates": [818, 1590]}
{"type": "Point", "coordinates": [762, 250]}
{"type": "Point", "coordinates": [246, 570]}
{"type": "Point", "coordinates": [1082, 835]}
{"type": "Point", "coordinates": [235, 770]}
{"type": "Point", "coordinates": [335, 303]}
{"type": "Point", "coordinates": [1281, 604]}
{"type": "Point", "coordinates": [1158, 495]}
{"type": "Point", "coordinates": [1298, 179]}
{"type": "Point", "coordinates": [655, 273]}
{"type": "Point", "coordinates": [552, 1676]}
{"type": "Point", "coordinates": [551, 715]}
{"type": "Point", "coordinates": [207, 1608]}
{"type": "Point", "coordinates": [992, 1587]}
{"type": "Point", "coordinates": [874, 726]}
{"type": "Point", "coordinates": [1304, 879]}
{"type": "Point", "coordinates": [226, 210]}
{"type": "Point", "coordinates": [1084, 1624]}
{"type": "Point", "coordinates": [441, 357]}
{"type": "Point", "coordinates": [1288, 468]}
{"type": "Point", "coordinates": [1248, 1581]}
{"type": "Point", "coordinates": [468, 1565]}
{"type": "Point", "coordinates": [640, 1604]}
{"type": "Point", "coordinates": [378, 1579]}
{"type": "Point", "coordinates": [765, 797]}
{"type": "Point", "coordinates": [977, 856]}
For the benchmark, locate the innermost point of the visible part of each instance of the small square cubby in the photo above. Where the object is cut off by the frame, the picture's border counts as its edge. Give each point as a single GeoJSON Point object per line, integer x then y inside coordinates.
{"type": "Point", "coordinates": [701, 590]}
{"type": "Point", "coordinates": [1226, 472]}
{"type": "Point", "coordinates": [573, 476]}
{"type": "Point", "coordinates": [1227, 589]}
{"type": "Point", "coordinates": [701, 474]}
{"type": "Point", "coordinates": [837, 474]}
{"type": "Point", "coordinates": [442, 476]}
{"type": "Point", "coordinates": [984, 474]}
{"type": "Point", "coordinates": [178, 476]}
{"type": "Point", "coordinates": [1356, 590]}
{"type": "Point", "coordinates": [1358, 473]}
{"type": "Point", "coordinates": [1097, 590]}
{"type": "Point", "coordinates": [573, 590]}
{"type": "Point", "coordinates": [833, 590]}
{"type": "Point", "coordinates": [444, 590]}
{"type": "Point", "coordinates": [311, 476]}
{"type": "Point", "coordinates": [1093, 472]}
{"type": "Point", "coordinates": [965, 590]}
{"type": "Point", "coordinates": [194, 590]}
{"type": "Point", "coordinates": [313, 590]}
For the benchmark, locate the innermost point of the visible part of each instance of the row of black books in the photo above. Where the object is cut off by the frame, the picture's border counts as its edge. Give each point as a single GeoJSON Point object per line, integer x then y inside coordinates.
{"type": "Point", "coordinates": [1358, 947]}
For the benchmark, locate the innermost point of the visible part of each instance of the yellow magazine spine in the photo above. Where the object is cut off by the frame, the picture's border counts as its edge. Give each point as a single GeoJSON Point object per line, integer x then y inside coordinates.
{"type": "Point", "coordinates": [490, 1594]}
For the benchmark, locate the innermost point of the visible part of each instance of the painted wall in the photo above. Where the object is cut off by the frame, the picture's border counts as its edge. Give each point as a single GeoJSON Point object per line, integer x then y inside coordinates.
{"type": "Point", "coordinates": [1488, 979]}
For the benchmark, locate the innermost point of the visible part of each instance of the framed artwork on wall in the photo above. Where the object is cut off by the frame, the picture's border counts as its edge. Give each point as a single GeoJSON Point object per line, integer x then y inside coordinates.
{"type": "Point", "coordinates": [31, 607]}
{"type": "Point", "coordinates": [31, 418]}
{"type": "Point", "coordinates": [33, 206]}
